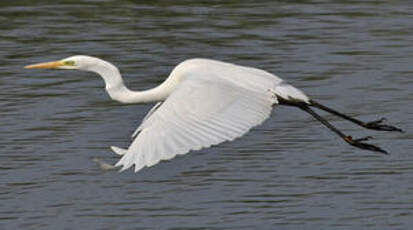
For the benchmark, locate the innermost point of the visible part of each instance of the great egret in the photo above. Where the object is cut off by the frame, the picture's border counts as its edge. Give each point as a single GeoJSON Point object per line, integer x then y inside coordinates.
{"type": "Point", "coordinates": [202, 103]}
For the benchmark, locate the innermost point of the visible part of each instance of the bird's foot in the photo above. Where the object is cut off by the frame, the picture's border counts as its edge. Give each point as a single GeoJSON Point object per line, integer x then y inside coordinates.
{"type": "Point", "coordinates": [377, 125]}
{"type": "Point", "coordinates": [361, 145]}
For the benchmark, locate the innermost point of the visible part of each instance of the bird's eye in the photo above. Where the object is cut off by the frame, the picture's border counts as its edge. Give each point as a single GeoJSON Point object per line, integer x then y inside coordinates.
{"type": "Point", "coordinates": [71, 63]}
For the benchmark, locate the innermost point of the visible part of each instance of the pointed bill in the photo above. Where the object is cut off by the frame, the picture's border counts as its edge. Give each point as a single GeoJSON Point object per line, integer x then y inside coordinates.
{"type": "Point", "coordinates": [45, 65]}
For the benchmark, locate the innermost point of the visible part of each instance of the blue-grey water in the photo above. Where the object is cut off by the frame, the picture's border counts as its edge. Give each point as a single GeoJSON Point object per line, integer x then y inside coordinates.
{"type": "Point", "coordinates": [289, 173]}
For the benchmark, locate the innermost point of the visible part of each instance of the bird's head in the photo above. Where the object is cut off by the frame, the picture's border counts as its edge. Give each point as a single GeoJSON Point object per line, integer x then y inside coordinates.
{"type": "Point", "coordinates": [80, 62]}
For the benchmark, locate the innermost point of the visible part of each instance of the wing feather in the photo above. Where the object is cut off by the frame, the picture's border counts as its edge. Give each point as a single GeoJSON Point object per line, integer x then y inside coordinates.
{"type": "Point", "coordinates": [200, 112]}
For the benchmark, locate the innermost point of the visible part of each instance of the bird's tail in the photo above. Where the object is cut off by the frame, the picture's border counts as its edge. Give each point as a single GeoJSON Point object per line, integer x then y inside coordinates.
{"type": "Point", "coordinates": [290, 93]}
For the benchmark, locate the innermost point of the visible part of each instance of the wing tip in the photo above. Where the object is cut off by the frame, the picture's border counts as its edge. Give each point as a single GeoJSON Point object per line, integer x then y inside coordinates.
{"type": "Point", "coordinates": [127, 166]}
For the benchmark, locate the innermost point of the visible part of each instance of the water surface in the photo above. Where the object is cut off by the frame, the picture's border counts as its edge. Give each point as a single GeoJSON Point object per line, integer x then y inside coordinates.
{"type": "Point", "coordinates": [289, 173]}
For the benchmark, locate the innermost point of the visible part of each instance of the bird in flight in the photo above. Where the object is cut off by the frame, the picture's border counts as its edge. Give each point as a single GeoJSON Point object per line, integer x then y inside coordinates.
{"type": "Point", "coordinates": [204, 102]}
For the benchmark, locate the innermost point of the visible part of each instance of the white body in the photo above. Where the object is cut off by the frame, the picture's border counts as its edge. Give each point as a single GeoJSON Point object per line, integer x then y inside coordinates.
{"type": "Point", "coordinates": [202, 103]}
{"type": "Point", "coordinates": [206, 102]}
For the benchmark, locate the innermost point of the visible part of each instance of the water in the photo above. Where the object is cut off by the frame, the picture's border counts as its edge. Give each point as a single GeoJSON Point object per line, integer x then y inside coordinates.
{"type": "Point", "coordinates": [289, 173]}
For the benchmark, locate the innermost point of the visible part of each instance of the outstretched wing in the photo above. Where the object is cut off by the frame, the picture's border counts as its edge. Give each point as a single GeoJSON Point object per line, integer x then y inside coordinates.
{"type": "Point", "coordinates": [199, 113]}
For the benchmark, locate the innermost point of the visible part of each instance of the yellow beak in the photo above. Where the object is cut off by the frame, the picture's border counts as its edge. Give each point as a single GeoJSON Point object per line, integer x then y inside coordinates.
{"type": "Point", "coordinates": [45, 65]}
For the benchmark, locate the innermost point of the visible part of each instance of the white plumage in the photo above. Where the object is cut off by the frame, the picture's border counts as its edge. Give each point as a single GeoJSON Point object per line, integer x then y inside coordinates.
{"type": "Point", "coordinates": [202, 103]}
{"type": "Point", "coordinates": [212, 102]}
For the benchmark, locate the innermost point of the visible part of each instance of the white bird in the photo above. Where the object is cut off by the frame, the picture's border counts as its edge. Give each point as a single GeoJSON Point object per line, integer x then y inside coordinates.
{"type": "Point", "coordinates": [202, 103]}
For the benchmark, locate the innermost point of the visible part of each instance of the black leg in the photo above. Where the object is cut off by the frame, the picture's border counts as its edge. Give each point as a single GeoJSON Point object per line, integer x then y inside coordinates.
{"type": "Point", "coordinates": [354, 142]}
{"type": "Point", "coordinates": [376, 125]}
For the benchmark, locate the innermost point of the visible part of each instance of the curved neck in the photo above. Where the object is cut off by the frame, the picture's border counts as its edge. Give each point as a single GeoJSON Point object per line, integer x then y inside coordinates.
{"type": "Point", "coordinates": [119, 92]}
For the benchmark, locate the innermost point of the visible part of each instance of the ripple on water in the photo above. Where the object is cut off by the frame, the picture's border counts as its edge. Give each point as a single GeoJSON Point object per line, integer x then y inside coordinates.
{"type": "Point", "coordinates": [288, 173]}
